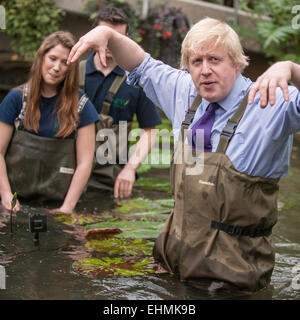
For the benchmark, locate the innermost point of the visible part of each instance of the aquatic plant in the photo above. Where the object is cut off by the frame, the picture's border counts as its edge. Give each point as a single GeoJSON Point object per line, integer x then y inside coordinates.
{"type": "Point", "coordinates": [114, 266]}
{"type": "Point", "coordinates": [121, 246]}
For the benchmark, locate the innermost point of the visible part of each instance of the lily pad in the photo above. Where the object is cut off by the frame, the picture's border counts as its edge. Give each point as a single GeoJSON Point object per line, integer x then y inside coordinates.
{"type": "Point", "coordinates": [114, 266]}
{"type": "Point", "coordinates": [101, 233]}
{"type": "Point", "coordinates": [139, 229]}
{"type": "Point", "coordinates": [122, 246]}
{"type": "Point", "coordinates": [142, 205]}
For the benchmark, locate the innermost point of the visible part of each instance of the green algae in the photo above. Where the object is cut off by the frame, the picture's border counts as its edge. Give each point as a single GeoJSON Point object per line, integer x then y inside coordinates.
{"type": "Point", "coordinates": [121, 246]}
{"type": "Point", "coordinates": [114, 266]}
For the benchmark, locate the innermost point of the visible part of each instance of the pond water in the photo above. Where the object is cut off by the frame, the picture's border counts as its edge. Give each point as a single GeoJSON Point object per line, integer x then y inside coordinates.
{"type": "Point", "coordinates": [64, 265]}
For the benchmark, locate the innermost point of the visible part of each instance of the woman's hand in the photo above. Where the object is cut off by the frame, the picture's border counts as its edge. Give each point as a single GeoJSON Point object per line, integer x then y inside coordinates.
{"type": "Point", "coordinates": [6, 199]}
{"type": "Point", "coordinates": [61, 209]}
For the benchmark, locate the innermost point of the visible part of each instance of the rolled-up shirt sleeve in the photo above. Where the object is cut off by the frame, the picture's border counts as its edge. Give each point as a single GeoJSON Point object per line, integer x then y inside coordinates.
{"type": "Point", "coordinates": [167, 87]}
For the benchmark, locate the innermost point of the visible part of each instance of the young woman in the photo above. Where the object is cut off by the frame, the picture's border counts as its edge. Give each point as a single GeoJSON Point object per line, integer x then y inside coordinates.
{"type": "Point", "coordinates": [47, 130]}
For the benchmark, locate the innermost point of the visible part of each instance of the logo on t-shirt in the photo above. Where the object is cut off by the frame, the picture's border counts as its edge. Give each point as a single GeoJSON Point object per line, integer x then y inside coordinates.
{"type": "Point", "coordinates": [120, 103]}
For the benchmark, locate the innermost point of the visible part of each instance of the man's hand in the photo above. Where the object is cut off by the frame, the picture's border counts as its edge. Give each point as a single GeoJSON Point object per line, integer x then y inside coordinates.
{"type": "Point", "coordinates": [126, 52]}
{"type": "Point", "coordinates": [124, 182]}
{"type": "Point", "coordinates": [278, 75]}
{"type": "Point", "coordinates": [96, 39]}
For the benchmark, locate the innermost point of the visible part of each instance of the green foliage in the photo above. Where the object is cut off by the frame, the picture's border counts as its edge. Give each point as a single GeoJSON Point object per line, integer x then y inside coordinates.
{"type": "Point", "coordinates": [273, 28]}
{"type": "Point", "coordinates": [28, 22]}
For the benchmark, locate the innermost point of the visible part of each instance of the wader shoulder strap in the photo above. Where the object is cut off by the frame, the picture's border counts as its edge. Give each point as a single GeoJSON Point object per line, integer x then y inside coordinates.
{"type": "Point", "coordinates": [231, 126]}
{"type": "Point", "coordinates": [111, 93]}
{"type": "Point", "coordinates": [24, 101]}
{"type": "Point", "coordinates": [82, 70]}
{"type": "Point", "coordinates": [189, 116]}
{"type": "Point", "coordinates": [20, 118]}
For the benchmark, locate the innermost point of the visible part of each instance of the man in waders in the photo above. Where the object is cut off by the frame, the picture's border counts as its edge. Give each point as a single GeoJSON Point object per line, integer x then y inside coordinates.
{"type": "Point", "coordinates": [117, 103]}
{"type": "Point", "coordinates": [226, 199]}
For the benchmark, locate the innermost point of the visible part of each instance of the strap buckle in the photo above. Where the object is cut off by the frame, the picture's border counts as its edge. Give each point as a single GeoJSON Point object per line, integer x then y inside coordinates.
{"type": "Point", "coordinates": [109, 97]}
{"type": "Point", "coordinates": [234, 230]}
{"type": "Point", "coordinates": [189, 117]}
{"type": "Point", "coordinates": [229, 129]}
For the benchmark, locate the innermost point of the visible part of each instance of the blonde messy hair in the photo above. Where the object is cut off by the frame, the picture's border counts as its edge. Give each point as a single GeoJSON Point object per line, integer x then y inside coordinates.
{"type": "Point", "coordinates": [210, 31]}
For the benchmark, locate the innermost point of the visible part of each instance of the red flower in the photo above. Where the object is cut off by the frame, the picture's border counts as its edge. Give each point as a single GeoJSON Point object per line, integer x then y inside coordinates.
{"type": "Point", "coordinates": [167, 35]}
{"type": "Point", "coordinates": [142, 32]}
{"type": "Point", "coordinates": [157, 26]}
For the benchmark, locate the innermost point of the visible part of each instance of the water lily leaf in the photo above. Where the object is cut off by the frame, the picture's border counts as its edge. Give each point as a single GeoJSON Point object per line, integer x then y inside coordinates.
{"type": "Point", "coordinates": [121, 246]}
{"type": "Point", "coordinates": [142, 205]}
{"type": "Point", "coordinates": [101, 233]}
{"type": "Point", "coordinates": [139, 229]}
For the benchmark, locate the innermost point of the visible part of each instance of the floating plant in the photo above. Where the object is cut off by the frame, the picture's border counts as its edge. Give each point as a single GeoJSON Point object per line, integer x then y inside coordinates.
{"type": "Point", "coordinates": [134, 229]}
{"type": "Point", "coordinates": [121, 246]}
{"type": "Point", "coordinates": [114, 266]}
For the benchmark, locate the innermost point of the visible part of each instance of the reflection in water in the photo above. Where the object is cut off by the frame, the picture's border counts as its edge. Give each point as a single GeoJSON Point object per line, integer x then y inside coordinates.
{"type": "Point", "coordinates": [46, 271]}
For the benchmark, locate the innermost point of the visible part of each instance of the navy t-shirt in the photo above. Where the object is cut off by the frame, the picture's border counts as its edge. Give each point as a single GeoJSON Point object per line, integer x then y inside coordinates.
{"type": "Point", "coordinates": [11, 107]}
{"type": "Point", "coordinates": [128, 100]}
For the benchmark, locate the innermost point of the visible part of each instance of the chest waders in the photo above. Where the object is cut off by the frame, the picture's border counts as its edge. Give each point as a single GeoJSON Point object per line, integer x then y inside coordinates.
{"type": "Point", "coordinates": [103, 176]}
{"type": "Point", "coordinates": [221, 224]}
{"type": "Point", "coordinates": [40, 167]}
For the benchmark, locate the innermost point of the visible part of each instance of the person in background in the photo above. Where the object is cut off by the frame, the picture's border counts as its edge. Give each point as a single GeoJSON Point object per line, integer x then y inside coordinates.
{"type": "Point", "coordinates": [225, 203]}
{"type": "Point", "coordinates": [116, 101]}
{"type": "Point", "coordinates": [47, 128]}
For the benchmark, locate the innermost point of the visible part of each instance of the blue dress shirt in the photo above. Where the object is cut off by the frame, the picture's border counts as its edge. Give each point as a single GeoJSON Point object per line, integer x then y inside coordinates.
{"type": "Point", "coordinates": [263, 140]}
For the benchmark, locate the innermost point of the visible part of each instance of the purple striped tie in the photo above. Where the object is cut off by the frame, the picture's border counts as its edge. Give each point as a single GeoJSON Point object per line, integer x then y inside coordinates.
{"type": "Point", "coordinates": [205, 122]}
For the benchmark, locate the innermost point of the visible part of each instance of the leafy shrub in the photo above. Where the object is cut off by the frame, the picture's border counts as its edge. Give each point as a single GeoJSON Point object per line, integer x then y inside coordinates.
{"type": "Point", "coordinates": [28, 22]}
{"type": "Point", "coordinates": [273, 28]}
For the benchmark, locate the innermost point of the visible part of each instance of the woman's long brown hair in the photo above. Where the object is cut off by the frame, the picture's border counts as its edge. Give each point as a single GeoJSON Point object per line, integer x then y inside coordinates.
{"type": "Point", "coordinates": [67, 103]}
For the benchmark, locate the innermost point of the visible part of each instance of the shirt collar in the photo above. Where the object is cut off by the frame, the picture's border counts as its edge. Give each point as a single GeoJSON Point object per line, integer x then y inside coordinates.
{"type": "Point", "coordinates": [236, 94]}
{"type": "Point", "coordinates": [90, 66]}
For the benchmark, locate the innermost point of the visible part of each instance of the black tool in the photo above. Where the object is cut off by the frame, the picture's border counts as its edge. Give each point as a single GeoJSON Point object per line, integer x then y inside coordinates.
{"type": "Point", "coordinates": [37, 224]}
